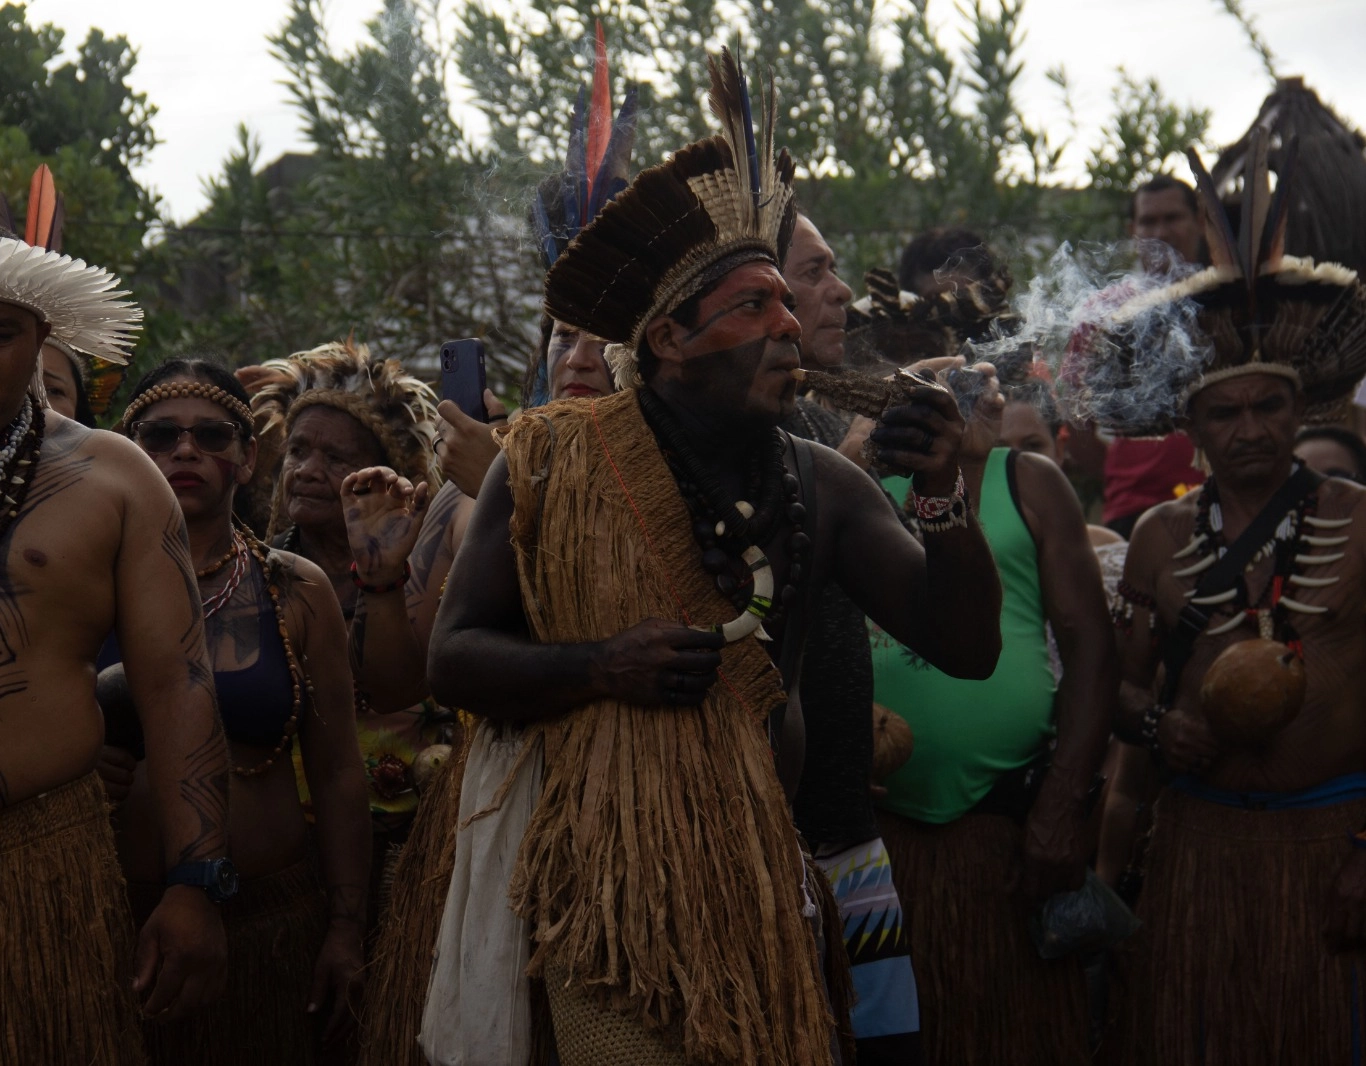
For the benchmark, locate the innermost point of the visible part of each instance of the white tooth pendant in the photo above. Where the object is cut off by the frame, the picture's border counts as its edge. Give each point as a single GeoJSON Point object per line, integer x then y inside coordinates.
{"type": "Point", "coordinates": [1196, 543]}
{"type": "Point", "coordinates": [1325, 542]}
{"type": "Point", "coordinates": [1302, 608]}
{"type": "Point", "coordinates": [1229, 626]}
{"type": "Point", "coordinates": [1327, 523]}
{"type": "Point", "coordinates": [1222, 597]}
{"type": "Point", "coordinates": [1313, 582]}
{"type": "Point", "coordinates": [1319, 560]}
{"type": "Point", "coordinates": [1196, 567]}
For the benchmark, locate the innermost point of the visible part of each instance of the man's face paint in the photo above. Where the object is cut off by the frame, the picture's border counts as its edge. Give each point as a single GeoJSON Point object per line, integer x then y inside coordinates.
{"type": "Point", "coordinates": [739, 355]}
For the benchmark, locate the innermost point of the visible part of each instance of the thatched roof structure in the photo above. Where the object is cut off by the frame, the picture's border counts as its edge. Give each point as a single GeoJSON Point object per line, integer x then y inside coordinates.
{"type": "Point", "coordinates": [1328, 221]}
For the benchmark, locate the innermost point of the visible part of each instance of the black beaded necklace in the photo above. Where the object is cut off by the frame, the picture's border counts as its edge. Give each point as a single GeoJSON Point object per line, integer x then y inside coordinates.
{"type": "Point", "coordinates": [723, 527]}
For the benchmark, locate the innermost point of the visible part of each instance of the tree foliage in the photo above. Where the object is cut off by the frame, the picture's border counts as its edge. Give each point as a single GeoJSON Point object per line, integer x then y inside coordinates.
{"type": "Point", "coordinates": [83, 119]}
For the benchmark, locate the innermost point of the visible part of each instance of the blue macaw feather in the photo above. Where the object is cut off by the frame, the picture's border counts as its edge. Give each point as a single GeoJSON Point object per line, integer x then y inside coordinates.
{"type": "Point", "coordinates": [550, 250]}
{"type": "Point", "coordinates": [576, 169]}
{"type": "Point", "coordinates": [751, 150]}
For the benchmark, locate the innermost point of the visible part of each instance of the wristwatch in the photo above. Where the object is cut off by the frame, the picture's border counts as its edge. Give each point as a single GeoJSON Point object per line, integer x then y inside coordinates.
{"type": "Point", "coordinates": [217, 877]}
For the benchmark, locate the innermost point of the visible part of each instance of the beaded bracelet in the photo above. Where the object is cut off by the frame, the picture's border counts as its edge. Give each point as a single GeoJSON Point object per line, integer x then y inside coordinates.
{"type": "Point", "coordinates": [956, 517]}
{"type": "Point", "coordinates": [378, 590]}
{"type": "Point", "coordinates": [1148, 730]}
{"type": "Point", "coordinates": [933, 508]}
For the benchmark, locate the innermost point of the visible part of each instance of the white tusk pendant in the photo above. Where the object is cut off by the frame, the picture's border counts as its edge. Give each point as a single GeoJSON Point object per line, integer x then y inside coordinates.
{"type": "Point", "coordinates": [1313, 582]}
{"type": "Point", "coordinates": [1196, 543]}
{"type": "Point", "coordinates": [1303, 608]}
{"type": "Point", "coordinates": [1327, 523]}
{"type": "Point", "coordinates": [1195, 568]}
{"type": "Point", "coordinates": [1318, 560]}
{"type": "Point", "coordinates": [1229, 626]}
{"type": "Point", "coordinates": [760, 602]}
{"type": "Point", "coordinates": [1325, 542]}
{"type": "Point", "coordinates": [1223, 597]}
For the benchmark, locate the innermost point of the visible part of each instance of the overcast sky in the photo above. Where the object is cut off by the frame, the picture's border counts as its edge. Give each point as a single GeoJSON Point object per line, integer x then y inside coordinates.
{"type": "Point", "coordinates": [206, 65]}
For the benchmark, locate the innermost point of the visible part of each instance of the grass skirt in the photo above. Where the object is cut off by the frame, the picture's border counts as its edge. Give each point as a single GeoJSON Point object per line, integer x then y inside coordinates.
{"type": "Point", "coordinates": [1231, 967]}
{"type": "Point", "coordinates": [396, 990]}
{"type": "Point", "coordinates": [275, 927]}
{"type": "Point", "coordinates": [985, 995]}
{"type": "Point", "coordinates": [66, 938]}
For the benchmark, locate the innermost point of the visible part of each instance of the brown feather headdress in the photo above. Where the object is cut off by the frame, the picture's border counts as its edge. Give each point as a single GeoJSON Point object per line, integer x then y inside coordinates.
{"type": "Point", "coordinates": [393, 405]}
{"type": "Point", "coordinates": [679, 226]}
{"type": "Point", "coordinates": [1255, 309]}
{"type": "Point", "coordinates": [892, 326]}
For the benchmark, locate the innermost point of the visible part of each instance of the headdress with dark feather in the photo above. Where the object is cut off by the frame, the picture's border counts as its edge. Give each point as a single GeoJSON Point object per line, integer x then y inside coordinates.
{"type": "Point", "coordinates": [679, 226]}
{"type": "Point", "coordinates": [889, 325]}
{"type": "Point", "coordinates": [1254, 310]}
{"type": "Point", "coordinates": [596, 168]}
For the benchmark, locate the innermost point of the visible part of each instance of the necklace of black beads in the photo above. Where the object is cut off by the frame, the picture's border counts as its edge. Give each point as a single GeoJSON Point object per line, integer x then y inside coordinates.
{"type": "Point", "coordinates": [722, 530]}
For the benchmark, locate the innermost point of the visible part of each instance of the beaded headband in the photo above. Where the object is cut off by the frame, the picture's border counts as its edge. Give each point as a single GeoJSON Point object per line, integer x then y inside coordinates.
{"type": "Point", "coordinates": [203, 390]}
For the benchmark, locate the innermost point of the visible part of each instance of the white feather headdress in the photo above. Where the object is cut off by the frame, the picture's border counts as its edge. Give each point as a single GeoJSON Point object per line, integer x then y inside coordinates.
{"type": "Point", "coordinates": [83, 304]}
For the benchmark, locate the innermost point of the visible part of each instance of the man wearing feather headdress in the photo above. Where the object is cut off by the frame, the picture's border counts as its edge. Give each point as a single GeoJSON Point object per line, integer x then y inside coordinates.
{"type": "Point", "coordinates": [1249, 595]}
{"type": "Point", "coordinates": [92, 540]}
{"type": "Point", "coordinates": [668, 901]}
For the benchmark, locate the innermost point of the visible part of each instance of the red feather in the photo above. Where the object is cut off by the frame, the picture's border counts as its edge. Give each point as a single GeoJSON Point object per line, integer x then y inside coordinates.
{"type": "Point", "coordinates": [42, 208]}
{"type": "Point", "coordinates": [599, 110]}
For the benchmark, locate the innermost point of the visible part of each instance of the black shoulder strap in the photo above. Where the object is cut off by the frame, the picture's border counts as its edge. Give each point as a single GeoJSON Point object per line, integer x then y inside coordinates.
{"type": "Point", "coordinates": [799, 615]}
{"type": "Point", "coordinates": [1225, 573]}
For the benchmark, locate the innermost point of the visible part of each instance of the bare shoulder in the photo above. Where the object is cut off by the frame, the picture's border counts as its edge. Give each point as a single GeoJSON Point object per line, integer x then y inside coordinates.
{"type": "Point", "coordinates": [1339, 499]}
{"type": "Point", "coordinates": [112, 460]}
{"type": "Point", "coordinates": [1157, 537]}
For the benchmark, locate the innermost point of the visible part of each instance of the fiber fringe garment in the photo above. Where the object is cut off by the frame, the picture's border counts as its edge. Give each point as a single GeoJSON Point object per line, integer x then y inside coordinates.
{"type": "Point", "coordinates": [275, 928]}
{"type": "Point", "coordinates": [661, 869]}
{"type": "Point", "coordinates": [396, 986]}
{"type": "Point", "coordinates": [1230, 968]}
{"type": "Point", "coordinates": [66, 937]}
{"type": "Point", "coordinates": [985, 995]}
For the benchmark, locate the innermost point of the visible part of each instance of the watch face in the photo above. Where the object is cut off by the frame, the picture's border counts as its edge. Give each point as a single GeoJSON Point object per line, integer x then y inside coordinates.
{"type": "Point", "coordinates": [225, 878]}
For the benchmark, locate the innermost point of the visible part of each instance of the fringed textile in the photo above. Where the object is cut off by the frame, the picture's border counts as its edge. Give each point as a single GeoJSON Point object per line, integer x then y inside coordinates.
{"type": "Point", "coordinates": [985, 995]}
{"type": "Point", "coordinates": [661, 869]}
{"type": "Point", "coordinates": [275, 927]}
{"type": "Point", "coordinates": [396, 989]}
{"type": "Point", "coordinates": [66, 938]}
{"type": "Point", "coordinates": [1231, 968]}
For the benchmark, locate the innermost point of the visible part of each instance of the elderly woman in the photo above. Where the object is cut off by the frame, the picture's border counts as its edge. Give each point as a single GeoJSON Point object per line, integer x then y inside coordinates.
{"type": "Point", "coordinates": [326, 415]}
{"type": "Point", "coordinates": [278, 646]}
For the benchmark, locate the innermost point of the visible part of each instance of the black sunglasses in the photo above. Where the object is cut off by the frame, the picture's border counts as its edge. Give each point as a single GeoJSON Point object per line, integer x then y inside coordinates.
{"type": "Point", "coordinates": [161, 435]}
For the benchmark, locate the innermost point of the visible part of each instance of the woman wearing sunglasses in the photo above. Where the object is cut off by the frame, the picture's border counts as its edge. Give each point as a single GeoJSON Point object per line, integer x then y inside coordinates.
{"type": "Point", "coordinates": [278, 645]}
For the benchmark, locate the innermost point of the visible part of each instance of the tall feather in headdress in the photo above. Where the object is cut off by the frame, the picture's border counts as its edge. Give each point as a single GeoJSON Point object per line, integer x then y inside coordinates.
{"type": "Point", "coordinates": [597, 162]}
{"type": "Point", "coordinates": [597, 167]}
{"type": "Point", "coordinates": [43, 227]}
{"type": "Point", "coordinates": [712, 206]}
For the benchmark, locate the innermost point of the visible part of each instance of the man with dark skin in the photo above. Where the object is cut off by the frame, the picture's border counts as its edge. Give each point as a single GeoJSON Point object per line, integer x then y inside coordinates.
{"type": "Point", "coordinates": [1246, 427]}
{"type": "Point", "coordinates": [99, 545]}
{"type": "Point", "coordinates": [725, 378]}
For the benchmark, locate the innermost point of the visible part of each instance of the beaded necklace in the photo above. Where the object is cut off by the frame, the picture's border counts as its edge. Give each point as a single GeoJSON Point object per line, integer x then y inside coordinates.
{"type": "Point", "coordinates": [239, 556]}
{"type": "Point", "coordinates": [247, 544]}
{"type": "Point", "coordinates": [19, 460]}
{"type": "Point", "coordinates": [724, 528]}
